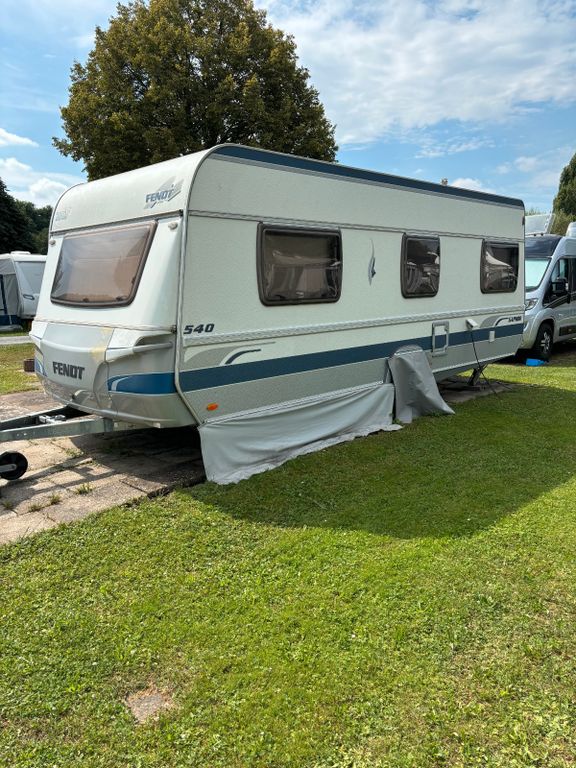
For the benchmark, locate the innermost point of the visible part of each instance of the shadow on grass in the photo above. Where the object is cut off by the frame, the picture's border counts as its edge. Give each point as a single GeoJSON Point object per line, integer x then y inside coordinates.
{"type": "Point", "coordinates": [439, 477]}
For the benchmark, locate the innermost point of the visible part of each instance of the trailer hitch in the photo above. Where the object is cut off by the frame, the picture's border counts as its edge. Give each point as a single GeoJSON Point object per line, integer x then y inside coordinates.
{"type": "Point", "coordinates": [56, 422]}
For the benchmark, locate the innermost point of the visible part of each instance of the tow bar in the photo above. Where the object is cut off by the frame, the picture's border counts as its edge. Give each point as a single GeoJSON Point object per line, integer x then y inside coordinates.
{"type": "Point", "coordinates": [57, 422]}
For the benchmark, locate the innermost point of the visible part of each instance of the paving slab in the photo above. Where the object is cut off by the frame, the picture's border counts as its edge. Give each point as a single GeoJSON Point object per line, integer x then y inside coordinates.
{"type": "Point", "coordinates": [71, 478]}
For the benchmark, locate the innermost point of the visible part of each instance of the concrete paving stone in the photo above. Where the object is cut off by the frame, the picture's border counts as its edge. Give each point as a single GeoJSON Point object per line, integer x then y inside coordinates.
{"type": "Point", "coordinates": [114, 469]}
{"type": "Point", "coordinates": [41, 453]}
{"type": "Point", "coordinates": [23, 495]}
{"type": "Point", "coordinates": [110, 495]}
{"type": "Point", "coordinates": [141, 485]}
{"type": "Point", "coordinates": [25, 525]}
{"type": "Point", "coordinates": [20, 403]}
{"type": "Point", "coordinates": [78, 506]}
{"type": "Point", "coordinates": [88, 474]}
{"type": "Point", "coordinates": [180, 473]}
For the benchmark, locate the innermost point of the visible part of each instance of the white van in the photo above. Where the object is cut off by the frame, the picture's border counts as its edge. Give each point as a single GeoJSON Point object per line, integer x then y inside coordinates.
{"type": "Point", "coordinates": [550, 274]}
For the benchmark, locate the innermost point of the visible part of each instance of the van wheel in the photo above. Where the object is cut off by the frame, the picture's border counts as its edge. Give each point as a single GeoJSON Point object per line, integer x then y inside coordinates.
{"type": "Point", "coordinates": [543, 345]}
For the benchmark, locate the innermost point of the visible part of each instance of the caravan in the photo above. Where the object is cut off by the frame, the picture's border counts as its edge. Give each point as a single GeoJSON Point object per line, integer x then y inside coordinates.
{"type": "Point", "coordinates": [20, 280]}
{"type": "Point", "coordinates": [261, 297]}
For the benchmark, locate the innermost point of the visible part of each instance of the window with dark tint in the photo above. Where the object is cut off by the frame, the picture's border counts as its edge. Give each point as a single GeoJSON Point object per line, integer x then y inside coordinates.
{"type": "Point", "coordinates": [102, 267]}
{"type": "Point", "coordinates": [297, 266]}
{"type": "Point", "coordinates": [563, 271]}
{"type": "Point", "coordinates": [541, 245]}
{"type": "Point", "coordinates": [420, 266]}
{"type": "Point", "coordinates": [499, 267]}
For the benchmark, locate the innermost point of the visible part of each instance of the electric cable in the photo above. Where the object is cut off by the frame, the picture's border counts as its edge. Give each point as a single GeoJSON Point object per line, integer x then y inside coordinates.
{"type": "Point", "coordinates": [480, 366]}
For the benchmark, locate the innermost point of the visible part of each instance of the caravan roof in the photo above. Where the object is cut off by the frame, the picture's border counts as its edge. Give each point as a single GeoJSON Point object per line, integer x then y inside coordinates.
{"type": "Point", "coordinates": [166, 187]}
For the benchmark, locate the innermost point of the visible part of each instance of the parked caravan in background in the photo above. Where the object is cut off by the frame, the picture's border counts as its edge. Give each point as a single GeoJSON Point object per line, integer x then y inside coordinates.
{"type": "Point", "coordinates": [261, 296]}
{"type": "Point", "coordinates": [20, 280]}
{"type": "Point", "coordinates": [550, 288]}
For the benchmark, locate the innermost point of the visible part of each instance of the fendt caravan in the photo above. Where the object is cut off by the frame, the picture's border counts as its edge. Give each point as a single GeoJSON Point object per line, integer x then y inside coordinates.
{"type": "Point", "coordinates": [264, 297]}
{"type": "Point", "coordinates": [20, 280]}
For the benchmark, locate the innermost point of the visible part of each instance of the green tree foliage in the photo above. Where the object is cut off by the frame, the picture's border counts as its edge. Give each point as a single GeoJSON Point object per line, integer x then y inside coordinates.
{"type": "Point", "coordinates": [38, 224]}
{"type": "Point", "coordinates": [565, 200]}
{"type": "Point", "coordinates": [561, 221]}
{"type": "Point", "coordinates": [169, 77]}
{"type": "Point", "coordinates": [15, 234]}
{"type": "Point", "coordinates": [23, 226]}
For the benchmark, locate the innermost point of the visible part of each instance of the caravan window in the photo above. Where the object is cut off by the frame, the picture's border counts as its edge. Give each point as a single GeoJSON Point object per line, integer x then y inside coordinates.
{"type": "Point", "coordinates": [499, 267]}
{"type": "Point", "coordinates": [102, 268]}
{"type": "Point", "coordinates": [299, 266]}
{"type": "Point", "coordinates": [420, 266]}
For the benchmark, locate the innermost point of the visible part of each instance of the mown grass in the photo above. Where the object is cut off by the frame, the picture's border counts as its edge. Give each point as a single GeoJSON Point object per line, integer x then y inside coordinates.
{"type": "Point", "coordinates": [405, 600]}
{"type": "Point", "coordinates": [12, 376]}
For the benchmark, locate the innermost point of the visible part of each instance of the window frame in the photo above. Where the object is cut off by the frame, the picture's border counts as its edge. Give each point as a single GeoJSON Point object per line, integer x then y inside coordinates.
{"type": "Point", "coordinates": [403, 260]}
{"type": "Point", "coordinates": [264, 229]}
{"type": "Point", "coordinates": [150, 224]}
{"type": "Point", "coordinates": [502, 244]}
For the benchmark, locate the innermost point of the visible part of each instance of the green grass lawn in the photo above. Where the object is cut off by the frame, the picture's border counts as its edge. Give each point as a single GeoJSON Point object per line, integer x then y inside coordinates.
{"type": "Point", "coordinates": [12, 376]}
{"type": "Point", "coordinates": [408, 599]}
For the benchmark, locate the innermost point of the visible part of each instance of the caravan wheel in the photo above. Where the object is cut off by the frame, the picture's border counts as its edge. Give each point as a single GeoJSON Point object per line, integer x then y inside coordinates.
{"type": "Point", "coordinates": [12, 466]}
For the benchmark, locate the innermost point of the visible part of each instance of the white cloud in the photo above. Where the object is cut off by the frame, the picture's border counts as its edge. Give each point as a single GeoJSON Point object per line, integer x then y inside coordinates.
{"type": "Point", "coordinates": [12, 140]}
{"type": "Point", "coordinates": [466, 183]}
{"type": "Point", "coordinates": [24, 183]}
{"type": "Point", "coordinates": [386, 67]}
{"type": "Point", "coordinates": [432, 149]}
{"type": "Point", "coordinates": [542, 170]}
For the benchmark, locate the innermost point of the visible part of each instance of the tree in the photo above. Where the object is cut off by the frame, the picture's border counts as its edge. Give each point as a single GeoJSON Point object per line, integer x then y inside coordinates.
{"type": "Point", "coordinates": [15, 234]}
{"type": "Point", "coordinates": [38, 224]}
{"type": "Point", "coordinates": [169, 77]}
{"type": "Point", "coordinates": [565, 200]}
{"type": "Point", "coordinates": [23, 226]}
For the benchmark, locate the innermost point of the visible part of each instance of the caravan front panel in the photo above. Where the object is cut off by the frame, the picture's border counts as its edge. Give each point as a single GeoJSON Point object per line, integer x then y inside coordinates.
{"type": "Point", "coordinates": [105, 331]}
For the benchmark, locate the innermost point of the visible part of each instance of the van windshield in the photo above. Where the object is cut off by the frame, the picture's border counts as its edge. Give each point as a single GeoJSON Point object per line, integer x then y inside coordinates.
{"type": "Point", "coordinates": [534, 272]}
{"type": "Point", "coordinates": [541, 246]}
{"type": "Point", "coordinates": [102, 267]}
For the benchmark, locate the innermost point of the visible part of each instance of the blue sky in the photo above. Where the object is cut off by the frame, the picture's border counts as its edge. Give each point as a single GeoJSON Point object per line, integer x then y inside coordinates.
{"type": "Point", "coordinates": [481, 92]}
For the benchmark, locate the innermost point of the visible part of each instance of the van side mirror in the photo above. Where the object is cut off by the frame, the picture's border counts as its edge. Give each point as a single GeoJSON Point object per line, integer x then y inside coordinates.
{"type": "Point", "coordinates": [559, 287]}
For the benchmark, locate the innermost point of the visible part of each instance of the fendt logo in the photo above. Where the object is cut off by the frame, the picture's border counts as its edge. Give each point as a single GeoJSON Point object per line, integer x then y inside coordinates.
{"type": "Point", "coordinates": [167, 191]}
{"type": "Point", "coordinates": [71, 371]}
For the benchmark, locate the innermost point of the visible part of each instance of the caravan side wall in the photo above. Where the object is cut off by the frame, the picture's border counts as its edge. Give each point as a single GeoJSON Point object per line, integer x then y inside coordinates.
{"type": "Point", "coordinates": [197, 341]}
{"type": "Point", "coordinates": [238, 354]}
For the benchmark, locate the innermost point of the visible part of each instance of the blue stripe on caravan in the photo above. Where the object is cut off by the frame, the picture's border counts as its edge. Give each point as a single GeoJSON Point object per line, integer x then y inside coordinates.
{"type": "Point", "coordinates": [263, 369]}
{"type": "Point", "coordinates": [206, 378]}
{"type": "Point", "coordinates": [144, 383]}
{"type": "Point", "coordinates": [358, 174]}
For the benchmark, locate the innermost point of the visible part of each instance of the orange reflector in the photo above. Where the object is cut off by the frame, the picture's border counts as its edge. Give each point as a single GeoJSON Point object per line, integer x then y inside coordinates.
{"type": "Point", "coordinates": [211, 406]}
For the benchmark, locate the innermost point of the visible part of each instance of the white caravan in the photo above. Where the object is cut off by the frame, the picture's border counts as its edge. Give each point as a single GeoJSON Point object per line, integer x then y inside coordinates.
{"type": "Point", "coordinates": [260, 296]}
{"type": "Point", "coordinates": [20, 280]}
